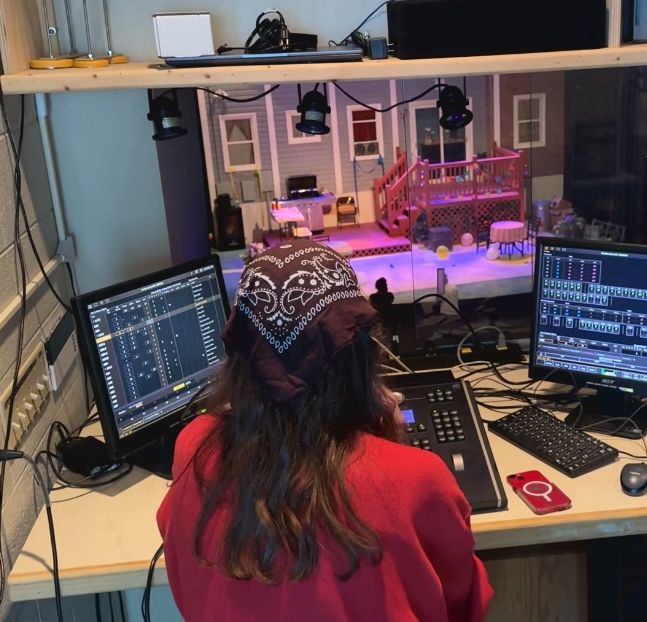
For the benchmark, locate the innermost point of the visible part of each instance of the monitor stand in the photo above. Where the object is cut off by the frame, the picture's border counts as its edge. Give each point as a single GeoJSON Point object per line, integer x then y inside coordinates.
{"type": "Point", "coordinates": [158, 456]}
{"type": "Point", "coordinates": [603, 410]}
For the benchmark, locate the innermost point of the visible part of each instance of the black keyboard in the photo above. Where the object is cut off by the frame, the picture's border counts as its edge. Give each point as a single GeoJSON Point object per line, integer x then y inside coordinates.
{"type": "Point", "coordinates": [570, 451]}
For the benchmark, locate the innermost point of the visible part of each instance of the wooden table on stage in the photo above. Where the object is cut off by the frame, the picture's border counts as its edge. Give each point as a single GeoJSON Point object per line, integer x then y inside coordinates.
{"type": "Point", "coordinates": [537, 564]}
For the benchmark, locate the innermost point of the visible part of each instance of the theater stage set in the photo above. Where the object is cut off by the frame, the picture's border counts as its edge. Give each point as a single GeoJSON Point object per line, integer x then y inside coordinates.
{"type": "Point", "coordinates": [460, 201]}
{"type": "Point", "coordinates": [410, 271]}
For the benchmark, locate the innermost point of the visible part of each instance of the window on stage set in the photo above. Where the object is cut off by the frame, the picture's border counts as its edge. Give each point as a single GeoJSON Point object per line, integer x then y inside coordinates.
{"type": "Point", "coordinates": [240, 145]}
{"type": "Point", "coordinates": [295, 137]}
{"type": "Point", "coordinates": [529, 120]}
{"type": "Point", "coordinates": [365, 133]}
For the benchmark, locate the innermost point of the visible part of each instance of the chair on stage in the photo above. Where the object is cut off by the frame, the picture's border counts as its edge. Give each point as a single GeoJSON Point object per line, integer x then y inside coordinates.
{"type": "Point", "coordinates": [481, 231]}
{"type": "Point", "coordinates": [532, 232]}
{"type": "Point", "coordinates": [346, 211]}
{"type": "Point", "coordinates": [609, 230]}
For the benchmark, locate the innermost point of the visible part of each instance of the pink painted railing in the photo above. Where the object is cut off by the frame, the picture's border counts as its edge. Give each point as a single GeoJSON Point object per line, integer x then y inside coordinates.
{"type": "Point", "coordinates": [392, 179]}
{"type": "Point", "coordinates": [401, 193]}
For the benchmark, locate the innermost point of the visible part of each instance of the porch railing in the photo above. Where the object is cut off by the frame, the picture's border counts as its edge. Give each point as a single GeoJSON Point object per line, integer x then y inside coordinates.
{"type": "Point", "coordinates": [402, 192]}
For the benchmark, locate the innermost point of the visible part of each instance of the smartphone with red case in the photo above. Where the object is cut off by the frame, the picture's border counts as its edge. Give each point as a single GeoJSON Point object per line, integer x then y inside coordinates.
{"type": "Point", "coordinates": [539, 494]}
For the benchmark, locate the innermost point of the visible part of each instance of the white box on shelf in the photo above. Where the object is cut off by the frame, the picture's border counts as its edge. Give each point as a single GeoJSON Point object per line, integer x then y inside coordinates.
{"type": "Point", "coordinates": [183, 34]}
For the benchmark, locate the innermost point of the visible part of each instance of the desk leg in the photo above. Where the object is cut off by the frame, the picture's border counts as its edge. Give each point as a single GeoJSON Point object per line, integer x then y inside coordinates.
{"type": "Point", "coordinates": [538, 584]}
{"type": "Point", "coordinates": [617, 578]}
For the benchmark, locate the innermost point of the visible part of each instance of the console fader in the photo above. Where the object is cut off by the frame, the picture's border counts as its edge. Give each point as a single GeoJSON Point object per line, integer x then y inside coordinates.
{"type": "Point", "coordinates": [441, 415]}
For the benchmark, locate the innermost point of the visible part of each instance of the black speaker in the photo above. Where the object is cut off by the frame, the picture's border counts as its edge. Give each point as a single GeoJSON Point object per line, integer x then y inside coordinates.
{"type": "Point", "coordinates": [440, 236]}
{"type": "Point", "coordinates": [445, 28]}
{"type": "Point", "coordinates": [230, 233]}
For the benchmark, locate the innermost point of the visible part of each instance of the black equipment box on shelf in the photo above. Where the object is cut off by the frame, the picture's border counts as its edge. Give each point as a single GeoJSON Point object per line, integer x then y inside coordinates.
{"type": "Point", "coordinates": [444, 28]}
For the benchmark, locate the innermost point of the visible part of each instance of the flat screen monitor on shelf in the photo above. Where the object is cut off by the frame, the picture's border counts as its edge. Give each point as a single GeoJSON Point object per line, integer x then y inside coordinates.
{"type": "Point", "coordinates": [150, 346]}
{"type": "Point", "coordinates": [590, 328]}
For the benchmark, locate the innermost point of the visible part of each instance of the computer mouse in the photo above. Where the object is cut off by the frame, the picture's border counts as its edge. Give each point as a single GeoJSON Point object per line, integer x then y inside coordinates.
{"type": "Point", "coordinates": [633, 479]}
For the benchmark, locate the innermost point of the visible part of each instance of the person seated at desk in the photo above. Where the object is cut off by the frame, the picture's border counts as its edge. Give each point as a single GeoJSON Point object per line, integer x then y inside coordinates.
{"type": "Point", "coordinates": [293, 500]}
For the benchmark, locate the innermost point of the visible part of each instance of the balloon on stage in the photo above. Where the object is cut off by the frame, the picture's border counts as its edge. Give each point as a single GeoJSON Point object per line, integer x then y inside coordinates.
{"type": "Point", "coordinates": [467, 239]}
{"type": "Point", "coordinates": [492, 253]}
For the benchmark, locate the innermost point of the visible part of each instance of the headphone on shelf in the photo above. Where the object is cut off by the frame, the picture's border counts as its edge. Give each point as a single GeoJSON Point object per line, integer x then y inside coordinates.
{"type": "Point", "coordinates": [269, 34]}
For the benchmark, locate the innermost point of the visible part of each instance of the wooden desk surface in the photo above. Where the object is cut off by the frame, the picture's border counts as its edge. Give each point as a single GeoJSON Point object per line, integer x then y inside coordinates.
{"type": "Point", "coordinates": [106, 538]}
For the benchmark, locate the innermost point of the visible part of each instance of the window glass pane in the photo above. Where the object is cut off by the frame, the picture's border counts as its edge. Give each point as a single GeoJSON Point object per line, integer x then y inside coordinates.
{"type": "Point", "coordinates": [238, 129]}
{"type": "Point", "coordinates": [427, 133]}
{"type": "Point", "coordinates": [294, 119]}
{"type": "Point", "coordinates": [431, 153]}
{"type": "Point", "coordinates": [454, 145]}
{"type": "Point", "coordinates": [529, 132]}
{"type": "Point", "coordinates": [364, 131]}
{"type": "Point", "coordinates": [363, 115]}
{"type": "Point", "coordinates": [241, 154]}
{"type": "Point", "coordinates": [528, 109]}
{"type": "Point", "coordinates": [523, 109]}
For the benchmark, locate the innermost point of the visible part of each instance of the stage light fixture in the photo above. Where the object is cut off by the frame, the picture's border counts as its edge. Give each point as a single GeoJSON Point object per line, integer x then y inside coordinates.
{"type": "Point", "coordinates": [313, 109]}
{"type": "Point", "coordinates": [453, 106]}
{"type": "Point", "coordinates": [165, 115]}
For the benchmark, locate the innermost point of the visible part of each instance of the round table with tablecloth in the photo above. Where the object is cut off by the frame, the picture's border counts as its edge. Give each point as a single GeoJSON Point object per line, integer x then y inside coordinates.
{"type": "Point", "coordinates": [508, 233]}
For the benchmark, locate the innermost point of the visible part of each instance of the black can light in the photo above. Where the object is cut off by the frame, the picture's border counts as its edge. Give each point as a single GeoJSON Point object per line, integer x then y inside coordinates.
{"type": "Point", "coordinates": [453, 108]}
{"type": "Point", "coordinates": [313, 108]}
{"type": "Point", "coordinates": [165, 115]}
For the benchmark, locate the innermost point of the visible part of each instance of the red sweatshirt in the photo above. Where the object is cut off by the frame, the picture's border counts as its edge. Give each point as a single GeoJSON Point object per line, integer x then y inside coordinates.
{"type": "Point", "coordinates": [410, 499]}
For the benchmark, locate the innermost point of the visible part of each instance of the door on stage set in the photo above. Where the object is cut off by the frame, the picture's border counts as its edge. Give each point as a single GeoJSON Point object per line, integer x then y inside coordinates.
{"type": "Point", "coordinates": [431, 142]}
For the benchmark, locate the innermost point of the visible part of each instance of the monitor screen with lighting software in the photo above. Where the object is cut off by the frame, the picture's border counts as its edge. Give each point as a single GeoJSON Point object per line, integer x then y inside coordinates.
{"type": "Point", "coordinates": [590, 328]}
{"type": "Point", "coordinates": [150, 346]}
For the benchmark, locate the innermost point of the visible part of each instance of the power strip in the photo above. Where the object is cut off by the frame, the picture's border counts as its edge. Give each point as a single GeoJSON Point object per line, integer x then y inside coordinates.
{"type": "Point", "coordinates": [32, 395]}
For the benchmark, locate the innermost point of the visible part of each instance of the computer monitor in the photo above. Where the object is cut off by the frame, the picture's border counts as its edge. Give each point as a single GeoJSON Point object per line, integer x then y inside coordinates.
{"type": "Point", "coordinates": [589, 328]}
{"type": "Point", "coordinates": [150, 345]}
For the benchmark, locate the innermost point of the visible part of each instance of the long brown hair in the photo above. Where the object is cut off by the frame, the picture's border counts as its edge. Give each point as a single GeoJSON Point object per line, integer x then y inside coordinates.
{"type": "Point", "coordinates": [281, 468]}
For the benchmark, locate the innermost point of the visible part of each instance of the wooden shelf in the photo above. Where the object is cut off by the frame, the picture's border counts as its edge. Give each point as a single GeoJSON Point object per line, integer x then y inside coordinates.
{"type": "Point", "coordinates": [144, 75]}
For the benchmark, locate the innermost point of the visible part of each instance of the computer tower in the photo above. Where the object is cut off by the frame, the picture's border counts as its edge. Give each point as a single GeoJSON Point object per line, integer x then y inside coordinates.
{"type": "Point", "coordinates": [445, 28]}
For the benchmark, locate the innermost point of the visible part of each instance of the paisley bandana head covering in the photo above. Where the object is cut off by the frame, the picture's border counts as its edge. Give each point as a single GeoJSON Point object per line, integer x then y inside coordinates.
{"type": "Point", "coordinates": [297, 305]}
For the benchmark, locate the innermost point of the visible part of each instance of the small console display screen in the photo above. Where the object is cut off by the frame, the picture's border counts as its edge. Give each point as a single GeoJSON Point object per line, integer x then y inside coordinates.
{"type": "Point", "coordinates": [408, 417]}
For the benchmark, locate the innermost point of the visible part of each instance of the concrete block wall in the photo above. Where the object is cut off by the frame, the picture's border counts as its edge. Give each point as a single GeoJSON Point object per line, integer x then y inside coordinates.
{"type": "Point", "coordinates": [22, 499]}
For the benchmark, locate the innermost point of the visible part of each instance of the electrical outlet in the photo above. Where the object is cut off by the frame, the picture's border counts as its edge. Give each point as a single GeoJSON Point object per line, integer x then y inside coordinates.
{"type": "Point", "coordinates": [32, 395]}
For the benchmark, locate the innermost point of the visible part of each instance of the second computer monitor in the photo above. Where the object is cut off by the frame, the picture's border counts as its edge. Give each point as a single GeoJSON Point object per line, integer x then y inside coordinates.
{"type": "Point", "coordinates": [590, 326]}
